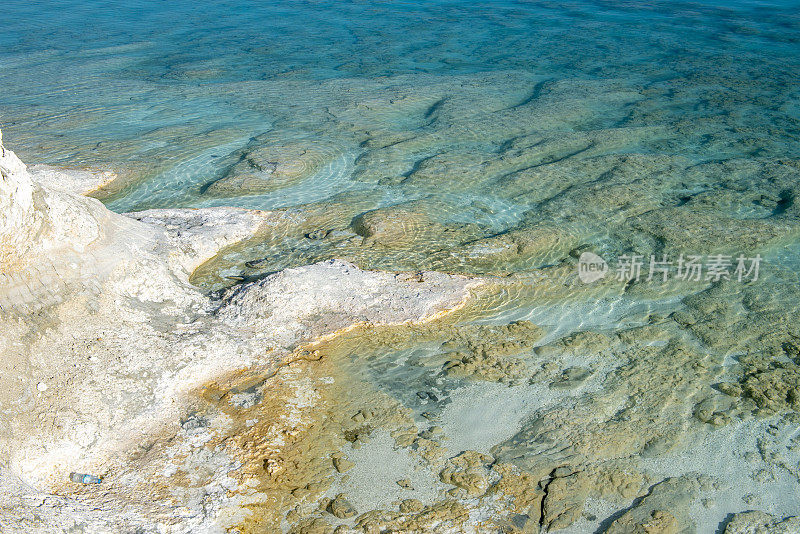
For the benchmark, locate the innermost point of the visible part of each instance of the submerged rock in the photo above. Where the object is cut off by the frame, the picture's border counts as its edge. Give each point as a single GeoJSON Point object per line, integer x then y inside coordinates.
{"type": "Point", "coordinates": [267, 167]}
{"type": "Point", "coordinates": [394, 226]}
{"type": "Point", "coordinates": [340, 507]}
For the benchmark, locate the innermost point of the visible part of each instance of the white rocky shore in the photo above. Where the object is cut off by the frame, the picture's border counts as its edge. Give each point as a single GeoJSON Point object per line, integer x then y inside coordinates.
{"type": "Point", "coordinates": [102, 340]}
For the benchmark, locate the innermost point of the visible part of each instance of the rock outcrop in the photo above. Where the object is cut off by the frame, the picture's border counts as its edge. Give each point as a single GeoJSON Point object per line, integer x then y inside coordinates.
{"type": "Point", "coordinates": [103, 338]}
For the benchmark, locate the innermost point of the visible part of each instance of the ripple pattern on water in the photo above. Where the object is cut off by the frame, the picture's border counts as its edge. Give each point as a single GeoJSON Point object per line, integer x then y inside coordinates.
{"type": "Point", "coordinates": [500, 139]}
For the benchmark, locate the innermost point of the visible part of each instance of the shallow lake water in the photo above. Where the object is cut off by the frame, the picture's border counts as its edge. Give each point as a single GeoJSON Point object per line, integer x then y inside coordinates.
{"type": "Point", "coordinates": [521, 140]}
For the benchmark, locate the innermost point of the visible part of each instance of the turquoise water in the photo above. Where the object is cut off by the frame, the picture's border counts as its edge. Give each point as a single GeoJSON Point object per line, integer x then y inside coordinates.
{"type": "Point", "coordinates": [500, 138]}
{"type": "Point", "coordinates": [168, 90]}
{"type": "Point", "coordinates": [486, 115]}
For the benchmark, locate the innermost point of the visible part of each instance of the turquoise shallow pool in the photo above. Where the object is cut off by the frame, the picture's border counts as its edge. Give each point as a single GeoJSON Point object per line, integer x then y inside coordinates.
{"type": "Point", "coordinates": [501, 138]}
{"type": "Point", "coordinates": [169, 89]}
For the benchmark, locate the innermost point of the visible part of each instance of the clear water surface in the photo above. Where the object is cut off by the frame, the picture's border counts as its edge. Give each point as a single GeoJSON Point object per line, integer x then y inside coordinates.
{"type": "Point", "coordinates": [501, 137]}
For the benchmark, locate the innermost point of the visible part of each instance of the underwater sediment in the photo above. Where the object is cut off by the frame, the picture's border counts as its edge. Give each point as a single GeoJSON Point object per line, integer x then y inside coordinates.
{"type": "Point", "coordinates": [537, 276]}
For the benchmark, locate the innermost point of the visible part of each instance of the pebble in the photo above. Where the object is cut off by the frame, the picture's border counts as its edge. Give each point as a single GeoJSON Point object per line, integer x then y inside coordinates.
{"type": "Point", "coordinates": [425, 395]}
{"type": "Point", "coordinates": [41, 386]}
{"type": "Point", "coordinates": [316, 235]}
{"type": "Point", "coordinates": [340, 507]}
{"type": "Point", "coordinates": [432, 432]}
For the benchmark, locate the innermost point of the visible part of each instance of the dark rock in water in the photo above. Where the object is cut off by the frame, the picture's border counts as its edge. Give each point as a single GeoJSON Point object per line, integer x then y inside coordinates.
{"type": "Point", "coordinates": [317, 235]}
{"type": "Point", "coordinates": [255, 264]}
{"type": "Point", "coordinates": [427, 395]}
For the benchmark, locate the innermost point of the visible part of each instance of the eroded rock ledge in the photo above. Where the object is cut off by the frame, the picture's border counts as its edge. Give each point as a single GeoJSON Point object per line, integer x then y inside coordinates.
{"type": "Point", "coordinates": [103, 338]}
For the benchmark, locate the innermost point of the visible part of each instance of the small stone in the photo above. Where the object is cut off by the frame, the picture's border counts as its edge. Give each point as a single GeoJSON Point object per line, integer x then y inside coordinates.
{"type": "Point", "coordinates": [404, 483]}
{"type": "Point", "coordinates": [254, 264]}
{"type": "Point", "coordinates": [452, 364]}
{"type": "Point", "coordinates": [342, 464]}
{"type": "Point", "coordinates": [42, 387]}
{"type": "Point", "coordinates": [432, 432]}
{"type": "Point", "coordinates": [719, 419]}
{"type": "Point", "coordinates": [340, 507]}
{"type": "Point", "coordinates": [316, 235]}
{"type": "Point", "coordinates": [404, 438]}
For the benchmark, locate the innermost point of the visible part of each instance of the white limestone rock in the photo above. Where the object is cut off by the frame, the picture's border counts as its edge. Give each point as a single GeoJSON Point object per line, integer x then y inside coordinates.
{"type": "Point", "coordinates": [78, 181]}
{"type": "Point", "coordinates": [97, 306]}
